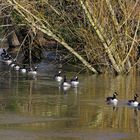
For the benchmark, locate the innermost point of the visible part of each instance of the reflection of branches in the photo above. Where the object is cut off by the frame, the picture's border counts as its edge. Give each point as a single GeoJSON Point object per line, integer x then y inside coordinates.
{"type": "Point", "coordinates": [17, 83]}
{"type": "Point", "coordinates": [136, 120]}
{"type": "Point", "coordinates": [98, 120]}
{"type": "Point", "coordinates": [30, 96]}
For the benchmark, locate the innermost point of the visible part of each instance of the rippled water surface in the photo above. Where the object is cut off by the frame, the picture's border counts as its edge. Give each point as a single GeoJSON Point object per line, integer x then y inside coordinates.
{"type": "Point", "coordinates": [35, 108]}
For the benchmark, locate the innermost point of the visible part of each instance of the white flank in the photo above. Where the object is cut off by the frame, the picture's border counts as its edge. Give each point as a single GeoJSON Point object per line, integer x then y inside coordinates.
{"type": "Point", "coordinates": [32, 72]}
{"type": "Point", "coordinates": [74, 83]}
{"type": "Point", "coordinates": [8, 62]}
{"type": "Point", "coordinates": [17, 68]}
{"type": "Point", "coordinates": [23, 70]}
{"type": "Point", "coordinates": [58, 78]}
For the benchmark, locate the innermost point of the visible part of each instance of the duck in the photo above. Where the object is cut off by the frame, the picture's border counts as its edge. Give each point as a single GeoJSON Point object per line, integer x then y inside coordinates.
{"type": "Point", "coordinates": [3, 54]}
{"type": "Point", "coordinates": [138, 106]}
{"type": "Point", "coordinates": [58, 76]}
{"type": "Point", "coordinates": [16, 67]}
{"type": "Point", "coordinates": [12, 64]}
{"type": "Point", "coordinates": [134, 102]}
{"type": "Point", "coordinates": [65, 83]}
{"type": "Point", "coordinates": [8, 59]}
{"type": "Point", "coordinates": [74, 81]}
{"type": "Point", "coordinates": [23, 69]}
{"type": "Point", "coordinates": [112, 100]}
{"type": "Point", "coordinates": [32, 71]}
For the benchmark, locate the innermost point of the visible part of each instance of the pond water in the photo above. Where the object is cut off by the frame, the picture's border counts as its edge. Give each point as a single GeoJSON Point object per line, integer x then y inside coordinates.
{"type": "Point", "coordinates": [35, 108]}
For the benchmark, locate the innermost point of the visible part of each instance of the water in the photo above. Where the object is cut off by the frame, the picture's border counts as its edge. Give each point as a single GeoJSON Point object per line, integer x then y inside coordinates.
{"type": "Point", "coordinates": [35, 108]}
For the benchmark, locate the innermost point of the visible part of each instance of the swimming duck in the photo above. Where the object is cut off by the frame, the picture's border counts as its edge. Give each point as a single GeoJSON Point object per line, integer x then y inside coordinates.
{"type": "Point", "coordinates": [134, 102]}
{"type": "Point", "coordinates": [8, 59]}
{"type": "Point", "coordinates": [74, 81]}
{"type": "Point", "coordinates": [138, 106]}
{"type": "Point", "coordinates": [6, 56]}
{"type": "Point", "coordinates": [16, 67]}
{"type": "Point", "coordinates": [58, 76]}
{"type": "Point", "coordinates": [65, 83]}
{"type": "Point", "coordinates": [23, 69]}
{"type": "Point", "coordinates": [12, 64]}
{"type": "Point", "coordinates": [112, 100]}
{"type": "Point", "coordinates": [32, 71]}
{"type": "Point", "coordinates": [3, 54]}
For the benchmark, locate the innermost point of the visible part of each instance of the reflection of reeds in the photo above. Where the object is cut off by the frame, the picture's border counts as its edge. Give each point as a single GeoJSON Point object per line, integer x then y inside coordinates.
{"type": "Point", "coordinates": [100, 115]}
{"type": "Point", "coordinates": [87, 109]}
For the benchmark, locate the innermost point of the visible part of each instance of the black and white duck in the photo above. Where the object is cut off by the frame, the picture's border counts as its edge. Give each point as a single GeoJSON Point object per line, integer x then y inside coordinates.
{"type": "Point", "coordinates": [58, 76]}
{"type": "Point", "coordinates": [74, 81]}
{"type": "Point", "coordinates": [112, 100]}
{"type": "Point", "coordinates": [32, 71]}
{"type": "Point", "coordinates": [133, 102]}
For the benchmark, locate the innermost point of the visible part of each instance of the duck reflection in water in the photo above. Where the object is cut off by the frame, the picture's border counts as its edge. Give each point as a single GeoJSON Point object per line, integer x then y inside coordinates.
{"type": "Point", "coordinates": [135, 111]}
{"type": "Point", "coordinates": [115, 108]}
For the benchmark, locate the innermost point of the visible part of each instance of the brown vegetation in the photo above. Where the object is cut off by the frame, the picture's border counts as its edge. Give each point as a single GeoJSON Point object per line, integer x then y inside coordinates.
{"type": "Point", "coordinates": [104, 35]}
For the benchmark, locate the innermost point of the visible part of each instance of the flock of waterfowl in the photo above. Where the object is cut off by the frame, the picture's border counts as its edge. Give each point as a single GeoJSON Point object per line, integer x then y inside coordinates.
{"type": "Point", "coordinates": [62, 80]}
{"type": "Point", "coordinates": [12, 63]}
{"type": "Point", "coordinates": [114, 101]}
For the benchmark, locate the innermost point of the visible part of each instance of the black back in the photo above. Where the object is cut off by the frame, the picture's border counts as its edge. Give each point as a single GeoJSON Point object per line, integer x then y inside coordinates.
{"type": "Point", "coordinates": [135, 98]}
{"type": "Point", "coordinates": [113, 97]}
{"type": "Point", "coordinates": [58, 74]}
{"type": "Point", "coordinates": [75, 78]}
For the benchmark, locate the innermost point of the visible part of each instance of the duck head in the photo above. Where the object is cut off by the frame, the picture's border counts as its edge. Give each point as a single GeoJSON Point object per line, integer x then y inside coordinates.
{"type": "Point", "coordinates": [115, 94]}
{"type": "Point", "coordinates": [76, 78]}
{"type": "Point", "coordinates": [135, 97]}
